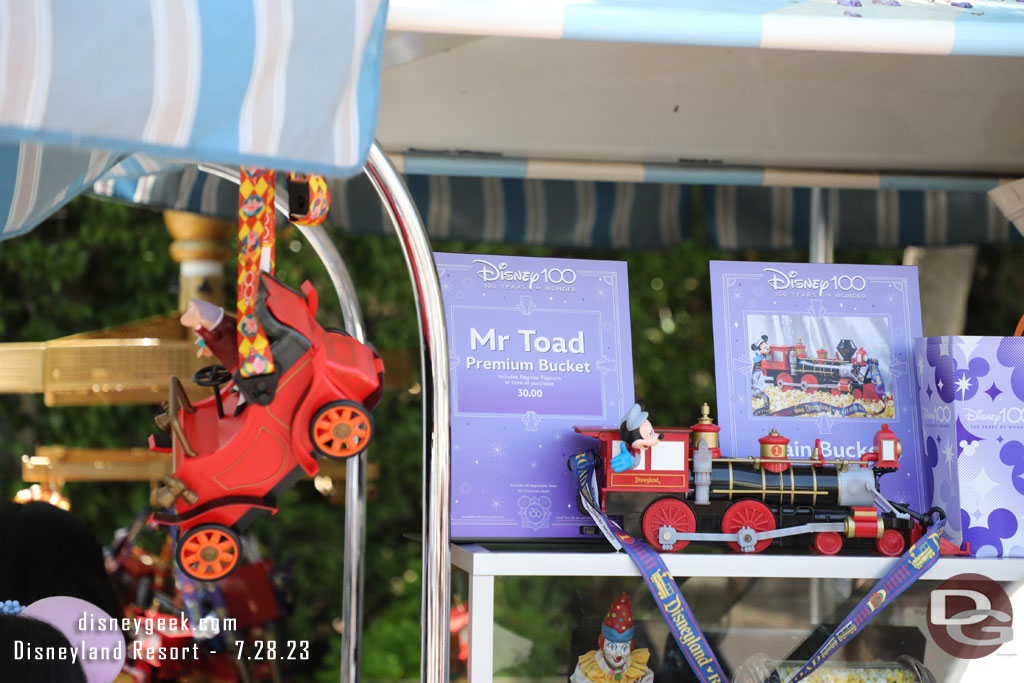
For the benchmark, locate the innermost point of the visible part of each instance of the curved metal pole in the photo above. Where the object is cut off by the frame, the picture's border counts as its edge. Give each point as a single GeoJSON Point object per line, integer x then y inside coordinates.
{"type": "Point", "coordinates": [436, 609]}
{"type": "Point", "coordinates": [355, 473]}
{"type": "Point", "coordinates": [355, 467]}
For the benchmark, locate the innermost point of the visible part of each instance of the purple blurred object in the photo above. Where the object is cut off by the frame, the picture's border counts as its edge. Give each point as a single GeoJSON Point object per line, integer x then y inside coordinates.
{"type": "Point", "coordinates": [848, 3]}
{"type": "Point", "coordinates": [65, 614]}
{"type": "Point", "coordinates": [210, 313]}
{"type": "Point", "coordinates": [964, 5]}
{"type": "Point", "coordinates": [851, 14]}
{"type": "Point", "coordinates": [895, 3]}
{"type": "Point", "coordinates": [971, 391]}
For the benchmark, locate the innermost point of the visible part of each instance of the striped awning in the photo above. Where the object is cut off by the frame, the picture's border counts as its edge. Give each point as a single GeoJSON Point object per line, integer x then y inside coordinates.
{"type": "Point", "coordinates": [607, 214]}
{"type": "Point", "coordinates": [160, 85]}
{"type": "Point", "coordinates": [289, 85]}
{"type": "Point", "coordinates": [932, 27]}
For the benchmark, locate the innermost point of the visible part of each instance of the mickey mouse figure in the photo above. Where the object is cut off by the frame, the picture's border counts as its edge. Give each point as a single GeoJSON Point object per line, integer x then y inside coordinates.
{"type": "Point", "coordinates": [761, 351]}
{"type": "Point", "coordinates": [637, 431]}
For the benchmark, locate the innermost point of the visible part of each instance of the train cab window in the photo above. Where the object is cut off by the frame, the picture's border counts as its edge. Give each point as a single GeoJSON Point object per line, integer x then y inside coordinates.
{"type": "Point", "coordinates": [779, 356]}
{"type": "Point", "coordinates": [669, 456]}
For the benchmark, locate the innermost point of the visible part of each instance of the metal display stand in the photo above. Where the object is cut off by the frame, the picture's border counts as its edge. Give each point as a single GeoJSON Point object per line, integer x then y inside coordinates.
{"type": "Point", "coordinates": [484, 566]}
{"type": "Point", "coordinates": [412, 235]}
{"type": "Point", "coordinates": [355, 467]}
{"type": "Point", "coordinates": [436, 607]}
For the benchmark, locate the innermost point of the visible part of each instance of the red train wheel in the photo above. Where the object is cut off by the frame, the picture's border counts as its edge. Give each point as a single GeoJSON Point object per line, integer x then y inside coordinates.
{"type": "Point", "coordinates": [809, 383]}
{"type": "Point", "coordinates": [748, 514]}
{"type": "Point", "coordinates": [668, 512]}
{"type": "Point", "coordinates": [891, 544]}
{"type": "Point", "coordinates": [784, 381]}
{"type": "Point", "coordinates": [208, 552]}
{"type": "Point", "coordinates": [828, 542]}
{"type": "Point", "coordinates": [341, 429]}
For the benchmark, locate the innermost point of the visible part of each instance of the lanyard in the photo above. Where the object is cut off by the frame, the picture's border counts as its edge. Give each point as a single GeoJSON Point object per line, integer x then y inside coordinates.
{"type": "Point", "coordinates": [667, 596]}
{"type": "Point", "coordinates": [910, 567]}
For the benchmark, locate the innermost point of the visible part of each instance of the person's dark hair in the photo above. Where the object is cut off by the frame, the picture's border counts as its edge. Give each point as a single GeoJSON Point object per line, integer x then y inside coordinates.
{"type": "Point", "coordinates": [50, 667]}
{"type": "Point", "coordinates": [47, 552]}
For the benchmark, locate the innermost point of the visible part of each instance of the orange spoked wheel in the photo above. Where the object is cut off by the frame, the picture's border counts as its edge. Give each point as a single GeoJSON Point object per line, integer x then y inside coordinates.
{"type": "Point", "coordinates": [208, 552]}
{"type": "Point", "coordinates": [341, 429]}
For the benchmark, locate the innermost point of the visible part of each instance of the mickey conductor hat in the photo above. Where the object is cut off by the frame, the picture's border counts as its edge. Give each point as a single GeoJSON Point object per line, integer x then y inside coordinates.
{"type": "Point", "coordinates": [635, 417]}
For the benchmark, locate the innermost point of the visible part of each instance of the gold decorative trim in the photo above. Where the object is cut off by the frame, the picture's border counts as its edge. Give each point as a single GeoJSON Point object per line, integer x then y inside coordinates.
{"type": "Point", "coordinates": [795, 492]}
{"type": "Point", "coordinates": [291, 374]}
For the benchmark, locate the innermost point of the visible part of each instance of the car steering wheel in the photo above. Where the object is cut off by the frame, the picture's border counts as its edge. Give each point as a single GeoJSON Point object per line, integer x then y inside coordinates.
{"type": "Point", "coordinates": [211, 376]}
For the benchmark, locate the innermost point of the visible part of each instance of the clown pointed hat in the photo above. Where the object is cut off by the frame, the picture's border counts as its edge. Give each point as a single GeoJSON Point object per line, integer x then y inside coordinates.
{"type": "Point", "coordinates": [618, 623]}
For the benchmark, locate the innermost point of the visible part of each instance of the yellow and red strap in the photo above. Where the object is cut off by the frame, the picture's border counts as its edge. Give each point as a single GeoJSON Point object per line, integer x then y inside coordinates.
{"type": "Point", "coordinates": [255, 253]}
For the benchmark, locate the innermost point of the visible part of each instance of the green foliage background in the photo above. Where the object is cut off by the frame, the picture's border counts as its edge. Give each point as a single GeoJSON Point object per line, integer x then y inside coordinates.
{"type": "Point", "coordinates": [96, 264]}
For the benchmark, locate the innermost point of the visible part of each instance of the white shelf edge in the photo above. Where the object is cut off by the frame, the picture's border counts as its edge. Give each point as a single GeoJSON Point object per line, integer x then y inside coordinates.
{"type": "Point", "coordinates": [478, 561]}
{"type": "Point", "coordinates": [685, 24]}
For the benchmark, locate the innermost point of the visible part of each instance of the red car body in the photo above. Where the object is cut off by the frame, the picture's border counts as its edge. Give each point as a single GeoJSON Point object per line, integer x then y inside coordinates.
{"type": "Point", "coordinates": [326, 382]}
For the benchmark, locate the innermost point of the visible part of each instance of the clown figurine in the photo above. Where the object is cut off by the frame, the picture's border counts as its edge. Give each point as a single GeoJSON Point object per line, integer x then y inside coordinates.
{"type": "Point", "coordinates": [637, 434]}
{"type": "Point", "coordinates": [615, 661]}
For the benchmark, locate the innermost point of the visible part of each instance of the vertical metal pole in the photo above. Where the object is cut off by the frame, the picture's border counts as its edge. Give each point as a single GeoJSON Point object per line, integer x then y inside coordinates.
{"type": "Point", "coordinates": [436, 609]}
{"type": "Point", "coordinates": [481, 627]}
{"type": "Point", "coordinates": [355, 467]}
{"type": "Point", "coordinates": [355, 473]}
{"type": "Point", "coordinates": [815, 607]}
{"type": "Point", "coordinates": [822, 251]}
{"type": "Point", "coordinates": [822, 228]}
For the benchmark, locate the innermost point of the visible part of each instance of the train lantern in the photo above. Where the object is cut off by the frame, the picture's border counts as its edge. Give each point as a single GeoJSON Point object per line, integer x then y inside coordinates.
{"type": "Point", "coordinates": [685, 489]}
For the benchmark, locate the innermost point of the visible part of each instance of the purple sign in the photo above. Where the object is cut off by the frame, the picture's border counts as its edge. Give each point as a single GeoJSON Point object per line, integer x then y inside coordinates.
{"type": "Point", "coordinates": [537, 346]}
{"type": "Point", "coordinates": [819, 351]}
{"type": "Point", "coordinates": [972, 413]}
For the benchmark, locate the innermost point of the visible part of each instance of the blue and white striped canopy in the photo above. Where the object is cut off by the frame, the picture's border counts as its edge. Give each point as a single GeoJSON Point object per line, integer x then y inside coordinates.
{"type": "Point", "coordinates": [603, 214]}
{"type": "Point", "coordinates": [109, 94]}
{"type": "Point", "coordinates": [927, 27]}
{"type": "Point", "coordinates": [273, 83]}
